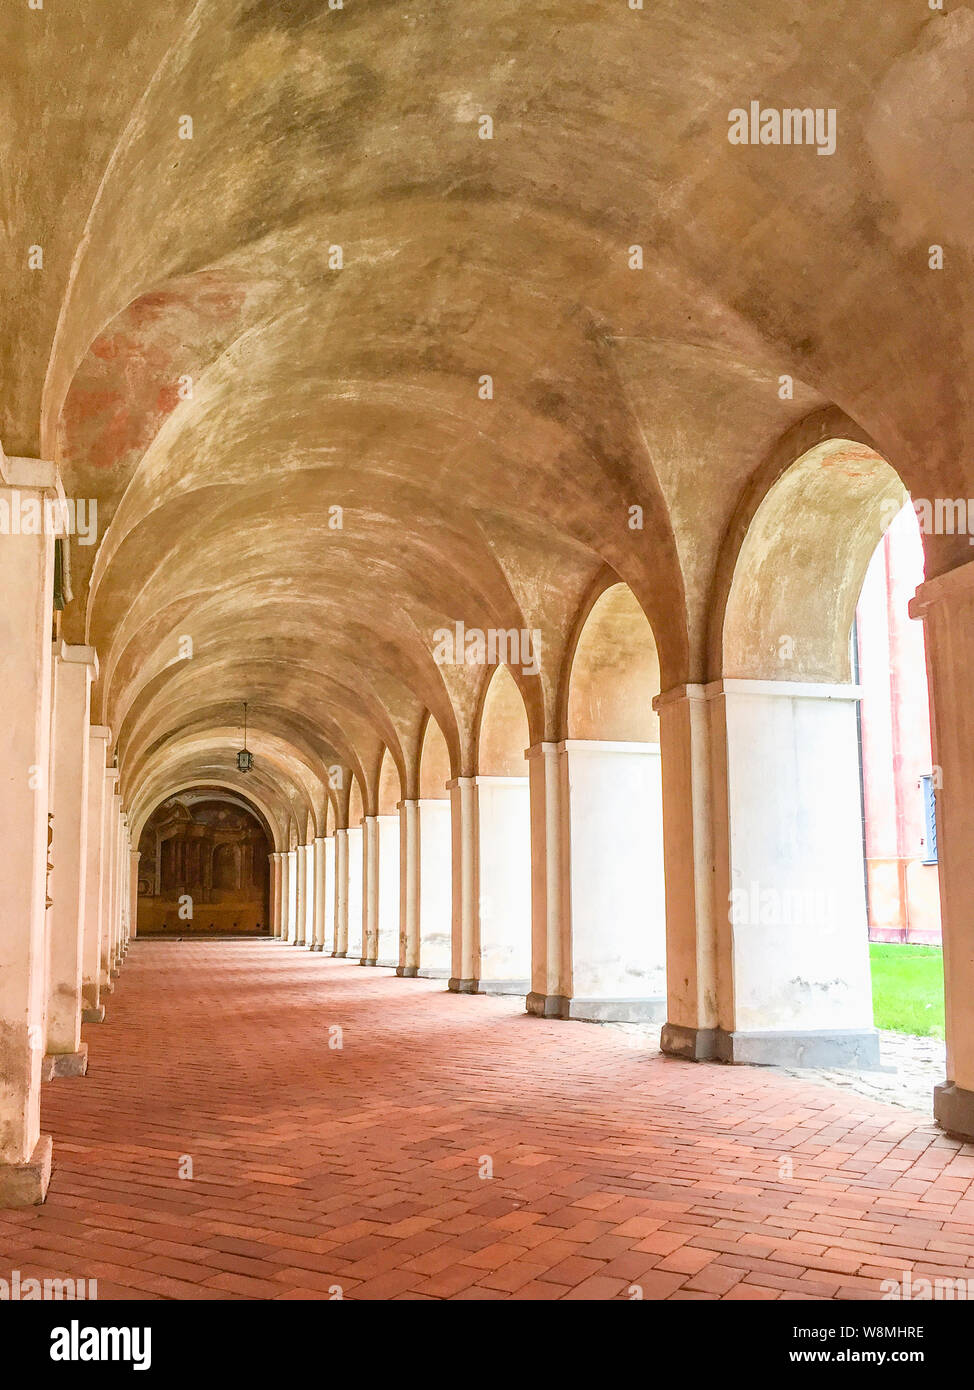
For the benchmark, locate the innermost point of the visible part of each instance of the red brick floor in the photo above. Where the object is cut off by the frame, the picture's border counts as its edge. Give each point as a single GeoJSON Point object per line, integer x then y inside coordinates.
{"type": "Point", "coordinates": [315, 1167]}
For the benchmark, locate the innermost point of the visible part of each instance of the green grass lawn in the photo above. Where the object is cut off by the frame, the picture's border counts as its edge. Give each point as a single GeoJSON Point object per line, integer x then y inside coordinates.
{"type": "Point", "coordinates": [908, 988]}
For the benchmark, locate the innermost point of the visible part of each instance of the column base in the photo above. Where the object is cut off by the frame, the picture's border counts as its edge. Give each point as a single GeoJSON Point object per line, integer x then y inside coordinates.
{"type": "Point", "coordinates": [692, 1044]}
{"type": "Point", "coordinates": [407, 972]}
{"type": "Point", "coordinates": [827, 1048]}
{"type": "Point", "coordinates": [339, 955]}
{"type": "Point", "coordinates": [316, 947]}
{"type": "Point", "coordinates": [547, 1005]}
{"type": "Point", "coordinates": [365, 961]}
{"type": "Point", "coordinates": [93, 1014]}
{"type": "Point", "coordinates": [953, 1109]}
{"type": "Point", "coordinates": [57, 1064]}
{"type": "Point", "coordinates": [114, 973]}
{"type": "Point", "coordinates": [463, 986]}
{"type": "Point", "coordinates": [25, 1184]}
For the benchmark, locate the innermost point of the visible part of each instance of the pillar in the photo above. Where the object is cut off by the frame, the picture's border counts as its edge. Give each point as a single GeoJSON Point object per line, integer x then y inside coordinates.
{"type": "Point", "coordinates": [946, 605]}
{"type": "Point", "coordinates": [26, 581]}
{"type": "Point", "coordinates": [389, 903]}
{"type": "Point", "coordinates": [691, 786]}
{"type": "Point", "coordinates": [75, 668]}
{"type": "Point", "coordinates": [301, 895]}
{"type": "Point", "coordinates": [125, 891]}
{"type": "Point", "coordinates": [93, 1010]}
{"type": "Point", "coordinates": [410, 888]}
{"type": "Point", "coordinates": [110, 850]}
{"type": "Point", "coordinates": [465, 954]}
{"type": "Point", "coordinates": [309, 895]}
{"type": "Point", "coordinates": [134, 857]}
{"type": "Point", "coordinates": [320, 894]}
{"type": "Point", "coordinates": [118, 886]}
{"type": "Point", "coordinates": [285, 895]}
{"type": "Point", "coordinates": [341, 893]}
{"type": "Point", "coordinates": [275, 893]}
{"type": "Point", "coordinates": [551, 986]}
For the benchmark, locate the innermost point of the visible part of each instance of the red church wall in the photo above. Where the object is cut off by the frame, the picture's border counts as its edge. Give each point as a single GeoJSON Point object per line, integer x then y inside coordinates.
{"type": "Point", "coordinates": [904, 895]}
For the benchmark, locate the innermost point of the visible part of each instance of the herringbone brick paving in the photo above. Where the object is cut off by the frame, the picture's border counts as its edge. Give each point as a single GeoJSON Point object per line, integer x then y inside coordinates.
{"type": "Point", "coordinates": [360, 1168]}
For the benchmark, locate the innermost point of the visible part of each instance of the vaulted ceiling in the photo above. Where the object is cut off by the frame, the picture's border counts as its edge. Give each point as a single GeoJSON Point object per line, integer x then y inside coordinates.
{"type": "Point", "coordinates": [294, 463]}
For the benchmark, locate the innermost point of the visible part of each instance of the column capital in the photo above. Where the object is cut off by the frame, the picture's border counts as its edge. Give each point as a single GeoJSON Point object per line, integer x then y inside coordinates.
{"type": "Point", "coordinates": [111, 776]}
{"type": "Point", "coordinates": [100, 731]}
{"type": "Point", "coordinates": [943, 587]}
{"type": "Point", "coordinates": [81, 656]}
{"type": "Point", "coordinates": [678, 693]}
{"type": "Point", "coordinates": [35, 474]}
{"type": "Point", "coordinates": [544, 749]}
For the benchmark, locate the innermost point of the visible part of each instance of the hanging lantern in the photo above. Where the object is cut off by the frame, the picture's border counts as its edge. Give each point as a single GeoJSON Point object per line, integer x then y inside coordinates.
{"type": "Point", "coordinates": [245, 760]}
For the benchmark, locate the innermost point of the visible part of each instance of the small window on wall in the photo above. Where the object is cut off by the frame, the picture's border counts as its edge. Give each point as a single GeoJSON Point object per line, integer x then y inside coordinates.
{"type": "Point", "coordinates": [929, 820]}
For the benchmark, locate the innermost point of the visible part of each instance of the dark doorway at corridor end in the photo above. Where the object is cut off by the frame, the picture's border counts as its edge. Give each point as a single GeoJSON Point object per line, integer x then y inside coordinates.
{"type": "Point", "coordinates": [203, 868]}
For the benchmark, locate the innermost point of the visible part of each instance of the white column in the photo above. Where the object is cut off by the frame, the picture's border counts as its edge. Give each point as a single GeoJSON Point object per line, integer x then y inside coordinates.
{"type": "Point", "coordinates": [125, 897]}
{"type": "Point", "coordinates": [275, 892]}
{"type": "Point", "coordinates": [370, 890]}
{"type": "Point", "coordinates": [118, 887]}
{"type": "Point", "coordinates": [410, 880]}
{"type": "Point", "coordinates": [341, 892]}
{"type": "Point", "coordinates": [93, 1010]}
{"type": "Point", "coordinates": [134, 857]}
{"type": "Point", "coordinates": [465, 952]}
{"type": "Point", "coordinates": [551, 973]}
{"type": "Point", "coordinates": [309, 895]}
{"type": "Point", "coordinates": [693, 784]}
{"type": "Point", "coordinates": [285, 894]}
{"type": "Point", "coordinates": [75, 668]}
{"type": "Point", "coordinates": [300, 938]}
{"type": "Point", "coordinates": [110, 843]}
{"type": "Point", "coordinates": [389, 890]}
{"type": "Point", "coordinates": [26, 582]}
